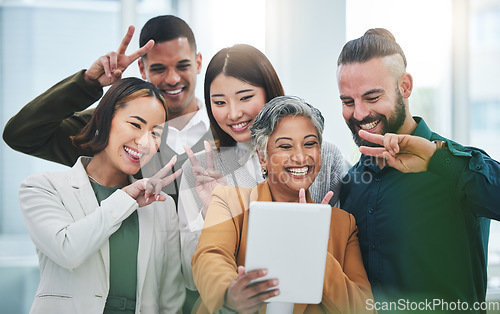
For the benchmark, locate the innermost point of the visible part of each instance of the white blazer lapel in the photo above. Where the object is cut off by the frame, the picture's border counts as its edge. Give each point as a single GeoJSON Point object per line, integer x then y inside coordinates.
{"type": "Point", "coordinates": [146, 229]}
{"type": "Point", "coordinates": [88, 201]}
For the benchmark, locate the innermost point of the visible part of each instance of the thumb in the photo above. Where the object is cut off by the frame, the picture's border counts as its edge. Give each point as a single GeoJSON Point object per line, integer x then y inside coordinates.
{"type": "Point", "coordinates": [241, 270]}
{"type": "Point", "coordinates": [302, 196]}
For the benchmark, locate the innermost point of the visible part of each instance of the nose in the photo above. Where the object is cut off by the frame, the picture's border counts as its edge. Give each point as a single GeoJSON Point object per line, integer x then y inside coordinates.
{"type": "Point", "coordinates": [234, 111]}
{"type": "Point", "coordinates": [299, 155]}
{"type": "Point", "coordinates": [172, 78]}
{"type": "Point", "coordinates": [361, 111]}
{"type": "Point", "coordinates": [144, 140]}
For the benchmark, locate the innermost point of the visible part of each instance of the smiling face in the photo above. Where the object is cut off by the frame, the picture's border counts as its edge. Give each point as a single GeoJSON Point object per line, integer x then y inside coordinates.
{"type": "Point", "coordinates": [235, 104]}
{"type": "Point", "coordinates": [293, 157]}
{"type": "Point", "coordinates": [372, 98]}
{"type": "Point", "coordinates": [172, 66]}
{"type": "Point", "coordinates": [134, 136]}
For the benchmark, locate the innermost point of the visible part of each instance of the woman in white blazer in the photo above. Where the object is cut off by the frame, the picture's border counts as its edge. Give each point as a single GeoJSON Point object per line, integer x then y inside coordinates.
{"type": "Point", "coordinates": [108, 243]}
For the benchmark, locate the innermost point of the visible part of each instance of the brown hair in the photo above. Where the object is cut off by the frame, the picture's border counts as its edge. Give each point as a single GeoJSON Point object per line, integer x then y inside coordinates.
{"type": "Point", "coordinates": [248, 64]}
{"type": "Point", "coordinates": [376, 42]}
{"type": "Point", "coordinates": [95, 135]}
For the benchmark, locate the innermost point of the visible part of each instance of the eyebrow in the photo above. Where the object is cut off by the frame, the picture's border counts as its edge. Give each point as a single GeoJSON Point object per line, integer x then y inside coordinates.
{"type": "Point", "coordinates": [371, 91]}
{"type": "Point", "coordinates": [290, 139]}
{"type": "Point", "coordinates": [145, 122]}
{"type": "Point", "coordinates": [244, 91]}
{"type": "Point", "coordinates": [238, 92]}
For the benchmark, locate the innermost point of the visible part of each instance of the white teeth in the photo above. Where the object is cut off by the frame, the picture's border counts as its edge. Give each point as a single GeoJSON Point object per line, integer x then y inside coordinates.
{"type": "Point", "coordinates": [298, 171]}
{"type": "Point", "coordinates": [173, 92]}
{"type": "Point", "coordinates": [370, 125]}
{"type": "Point", "coordinates": [133, 152]}
{"type": "Point", "coordinates": [239, 125]}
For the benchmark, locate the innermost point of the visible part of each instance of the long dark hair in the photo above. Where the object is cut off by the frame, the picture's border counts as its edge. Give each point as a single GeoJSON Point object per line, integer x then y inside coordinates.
{"type": "Point", "coordinates": [247, 64]}
{"type": "Point", "coordinates": [94, 136]}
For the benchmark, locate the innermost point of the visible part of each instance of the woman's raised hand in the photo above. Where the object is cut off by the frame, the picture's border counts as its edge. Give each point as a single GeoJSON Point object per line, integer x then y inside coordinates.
{"type": "Point", "coordinates": [245, 296]}
{"type": "Point", "coordinates": [206, 179]}
{"type": "Point", "coordinates": [326, 199]}
{"type": "Point", "coordinates": [148, 190]}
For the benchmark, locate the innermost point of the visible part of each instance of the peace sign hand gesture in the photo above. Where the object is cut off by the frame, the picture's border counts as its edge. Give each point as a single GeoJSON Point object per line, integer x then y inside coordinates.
{"type": "Point", "coordinates": [109, 68]}
{"type": "Point", "coordinates": [206, 179]}
{"type": "Point", "coordinates": [148, 190]}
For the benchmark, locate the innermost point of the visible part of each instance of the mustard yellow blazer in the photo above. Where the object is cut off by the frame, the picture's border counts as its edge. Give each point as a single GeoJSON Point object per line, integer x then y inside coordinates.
{"type": "Point", "coordinates": [222, 246]}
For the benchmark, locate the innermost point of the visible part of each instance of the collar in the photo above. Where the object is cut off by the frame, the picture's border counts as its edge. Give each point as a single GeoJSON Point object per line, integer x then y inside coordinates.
{"type": "Point", "coordinates": [262, 193]}
{"type": "Point", "coordinates": [246, 151]}
{"type": "Point", "coordinates": [200, 117]}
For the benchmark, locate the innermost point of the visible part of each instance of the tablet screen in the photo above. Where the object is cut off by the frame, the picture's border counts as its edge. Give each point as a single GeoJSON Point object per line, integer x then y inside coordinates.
{"type": "Point", "coordinates": [290, 240]}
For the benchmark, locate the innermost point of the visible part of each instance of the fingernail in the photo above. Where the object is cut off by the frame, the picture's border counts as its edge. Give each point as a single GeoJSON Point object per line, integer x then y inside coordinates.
{"type": "Point", "coordinates": [158, 197]}
{"type": "Point", "coordinates": [276, 292]}
{"type": "Point", "coordinates": [275, 282]}
{"type": "Point", "coordinates": [147, 199]}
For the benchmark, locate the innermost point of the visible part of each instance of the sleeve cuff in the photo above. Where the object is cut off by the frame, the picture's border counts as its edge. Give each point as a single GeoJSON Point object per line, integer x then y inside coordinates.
{"type": "Point", "coordinates": [447, 165]}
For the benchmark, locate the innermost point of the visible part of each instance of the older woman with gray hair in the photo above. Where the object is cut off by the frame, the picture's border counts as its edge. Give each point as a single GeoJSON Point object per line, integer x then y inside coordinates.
{"type": "Point", "coordinates": [288, 136]}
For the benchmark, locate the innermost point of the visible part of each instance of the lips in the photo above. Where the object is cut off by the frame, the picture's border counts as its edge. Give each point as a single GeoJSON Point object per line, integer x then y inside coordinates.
{"type": "Point", "coordinates": [298, 171]}
{"type": "Point", "coordinates": [238, 127]}
{"type": "Point", "coordinates": [133, 154]}
{"type": "Point", "coordinates": [174, 92]}
{"type": "Point", "coordinates": [369, 126]}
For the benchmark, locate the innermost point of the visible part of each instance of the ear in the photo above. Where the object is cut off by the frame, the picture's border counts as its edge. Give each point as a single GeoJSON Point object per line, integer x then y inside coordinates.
{"type": "Point", "coordinates": [198, 63]}
{"type": "Point", "coordinates": [262, 161]}
{"type": "Point", "coordinates": [406, 85]}
{"type": "Point", "coordinates": [142, 68]}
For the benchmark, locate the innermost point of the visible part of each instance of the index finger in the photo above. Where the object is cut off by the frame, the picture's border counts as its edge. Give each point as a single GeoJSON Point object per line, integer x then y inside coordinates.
{"type": "Point", "coordinates": [210, 156]}
{"type": "Point", "coordinates": [244, 280]}
{"type": "Point", "coordinates": [163, 171]}
{"type": "Point", "coordinates": [327, 197]}
{"type": "Point", "coordinates": [192, 158]}
{"type": "Point", "coordinates": [142, 51]}
{"type": "Point", "coordinates": [372, 137]}
{"type": "Point", "coordinates": [126, 40]}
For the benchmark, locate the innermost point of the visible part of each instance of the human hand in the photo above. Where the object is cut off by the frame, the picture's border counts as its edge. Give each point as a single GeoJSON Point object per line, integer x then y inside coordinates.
{"type": "Point", "coordinates": [109, 68]}
{"type": "Point", "coordinates": [404, 152]}
{"type": "Point", "coordinates": [326, 199]}
{"type": "Point", "coordinates": [205, 179]}
{"type": "Point", "coordinates": [148, 190]}
{"type": "Point", "coordinates": [243, 296]}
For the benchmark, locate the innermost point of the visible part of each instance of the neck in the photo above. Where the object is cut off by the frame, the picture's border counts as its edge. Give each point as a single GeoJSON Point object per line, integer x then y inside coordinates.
{"type": "Point", "coordinates": [280, 196]}
{"type": "Point", "coordinates": [104, 174]}
{"type": "Point", "coordinates": [179, 120]}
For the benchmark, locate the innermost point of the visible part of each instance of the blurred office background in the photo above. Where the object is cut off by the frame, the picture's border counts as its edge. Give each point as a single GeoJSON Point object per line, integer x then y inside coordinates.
{"type": "Point", "coordinates": [452, 47]}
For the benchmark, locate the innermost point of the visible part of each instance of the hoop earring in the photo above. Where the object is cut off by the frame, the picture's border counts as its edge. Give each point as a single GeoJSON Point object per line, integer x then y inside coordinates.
{"type": "Point", "coordinates": [96, 132]}
{"type": "Point", "coordinates": [264, 172]}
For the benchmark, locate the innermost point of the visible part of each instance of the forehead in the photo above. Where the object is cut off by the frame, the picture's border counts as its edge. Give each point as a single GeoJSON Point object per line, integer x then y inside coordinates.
{"type": "Point", "coordinates": [171, 51]}
{"type": "Point", "coordinates": [359, 77]}
{"type": "Point", "coordinates": [223, 84]}
{"type": "Point", "coordinates": [294, 127]}
{"type": "Point", "coordinates": [148, 108]}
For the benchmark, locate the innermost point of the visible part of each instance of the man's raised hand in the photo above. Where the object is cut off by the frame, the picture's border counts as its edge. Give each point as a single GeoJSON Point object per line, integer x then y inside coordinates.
{"type": "Point", "coordinates": [109, 68]}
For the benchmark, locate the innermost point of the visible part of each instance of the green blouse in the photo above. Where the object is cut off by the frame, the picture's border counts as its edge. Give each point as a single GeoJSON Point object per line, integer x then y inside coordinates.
{"type": "Point", "coordinates": [123, 248]}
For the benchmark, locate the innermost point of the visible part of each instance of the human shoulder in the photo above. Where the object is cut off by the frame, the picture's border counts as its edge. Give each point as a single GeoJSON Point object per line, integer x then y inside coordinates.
{"type": "Point", "coordinates": [342, 218]}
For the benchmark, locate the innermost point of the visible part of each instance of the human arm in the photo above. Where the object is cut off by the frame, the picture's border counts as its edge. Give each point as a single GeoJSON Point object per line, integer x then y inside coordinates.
{"type": "Point", "coordinates": [60, 229]}
{"type": "Point", "coordinates": [43, 128]}
{"type": "Point", "coordinates": [346, 287]}
{"type": "Point", "coordinates": [475, 174]}
{"type": "Point", "coordinates": [172, 288]}
{"type": "Point", "coordinates": [215, 266]}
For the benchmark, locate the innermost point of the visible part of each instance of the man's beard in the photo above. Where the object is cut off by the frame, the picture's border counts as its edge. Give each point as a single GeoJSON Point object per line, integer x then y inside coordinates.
{"type": "Point", "coordinates": [391, 125]}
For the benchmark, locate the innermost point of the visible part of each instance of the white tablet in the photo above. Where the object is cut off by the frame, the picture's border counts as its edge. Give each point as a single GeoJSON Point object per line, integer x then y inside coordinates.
{"type": "Point", "coordinates": [290, 240]}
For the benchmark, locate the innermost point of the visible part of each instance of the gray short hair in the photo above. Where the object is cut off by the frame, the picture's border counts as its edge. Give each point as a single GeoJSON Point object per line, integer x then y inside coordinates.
{"type": "Point", "coordinates": [275, 110]}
